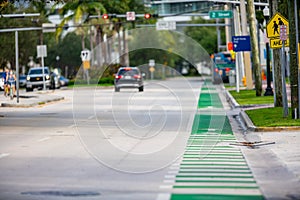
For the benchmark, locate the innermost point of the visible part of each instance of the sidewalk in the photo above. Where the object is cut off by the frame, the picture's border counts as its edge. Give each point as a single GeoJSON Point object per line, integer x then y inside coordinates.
{"type": "Point", "coordinates": [30, 99]}
{"type": "Point", "coordinates": [276, 167]}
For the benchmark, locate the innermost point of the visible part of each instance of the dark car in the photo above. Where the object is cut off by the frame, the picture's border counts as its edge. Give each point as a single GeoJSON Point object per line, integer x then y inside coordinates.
{"type": "Point", "coordinates": [22, 81]}
{"type": "Point", "coordinates": [224, 65]}
{"type": "Point", "coordinates": [63, 81]}
{"type": "Point", "coordinates": [129, 77]}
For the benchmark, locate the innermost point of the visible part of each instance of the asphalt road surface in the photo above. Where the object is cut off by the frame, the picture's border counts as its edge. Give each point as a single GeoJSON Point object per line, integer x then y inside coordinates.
{"type": "Point", "coordinates": [97, 144]}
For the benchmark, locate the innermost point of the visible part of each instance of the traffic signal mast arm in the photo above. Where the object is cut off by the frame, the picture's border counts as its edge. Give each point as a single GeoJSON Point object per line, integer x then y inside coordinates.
{"type": "Point", "coordinates": [106, 16]}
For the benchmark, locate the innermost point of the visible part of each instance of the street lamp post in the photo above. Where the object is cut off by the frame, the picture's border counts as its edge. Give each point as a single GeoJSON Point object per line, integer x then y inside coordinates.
{"type": "Point", "coordinates": [57, 61]}
{"type": "Point", "coordinates": [269, 90]}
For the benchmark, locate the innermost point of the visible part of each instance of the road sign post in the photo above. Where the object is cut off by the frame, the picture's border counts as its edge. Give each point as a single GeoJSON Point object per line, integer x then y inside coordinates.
{"type": "Point", "coordinates": [283, 37]}
{"type": "Point", "coordinates": [151, 68]}
{"type": "Point", "coordinates": [41, 53]}
{"type": "Point", "coordinates": [86, 57]}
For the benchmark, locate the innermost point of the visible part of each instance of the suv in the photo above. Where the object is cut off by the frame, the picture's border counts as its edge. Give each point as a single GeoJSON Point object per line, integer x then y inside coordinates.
{"type": "Point", "coordinates": [35, 78]}
{"type": "Point", "coordinates": [129, 77]}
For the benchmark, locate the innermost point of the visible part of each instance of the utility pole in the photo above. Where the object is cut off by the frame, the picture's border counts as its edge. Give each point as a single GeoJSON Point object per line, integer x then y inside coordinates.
{"type": "Point", "coordinates": [247, 60]}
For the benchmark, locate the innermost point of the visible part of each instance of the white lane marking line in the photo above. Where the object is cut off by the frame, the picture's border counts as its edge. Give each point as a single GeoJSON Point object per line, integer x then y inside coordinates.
{"type": "Point", "coordinates": [175, 167]}
{"type": "Point", "coordinates": [72, 126]}
{"type": "Point", "coordinates": [2, 155]}
{"type": "Point", "coordinates": [170, 176]}
{"type": "Point", "coordinates": [43, 139]}
{"type": "Point", "coordinates": [169, 181]}
{"type": "Point", "coordinates": [91, 117]}
{"type": "Point", "coordinates": [163, 196]}
{"type": "Point", "coordinates": [173, 172]}
{"type": "Point", "coordinates": [166, 186]}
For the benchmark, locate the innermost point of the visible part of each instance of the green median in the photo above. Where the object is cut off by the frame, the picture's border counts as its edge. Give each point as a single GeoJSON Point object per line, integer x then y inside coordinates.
{"type": "Point", "coordinates": [263, 117]}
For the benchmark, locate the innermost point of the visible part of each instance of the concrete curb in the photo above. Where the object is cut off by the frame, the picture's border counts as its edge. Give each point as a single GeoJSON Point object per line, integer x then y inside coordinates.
{"type": "Point", "coordinates": [247, 121]}
{"type": "Point", "coordinates": [243, 116]}
{"type": "Point", "coordinates": [39, 101]}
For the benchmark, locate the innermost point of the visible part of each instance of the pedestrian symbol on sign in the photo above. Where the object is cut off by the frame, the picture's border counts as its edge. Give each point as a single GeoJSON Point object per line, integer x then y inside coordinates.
{"type": "Point", "coordinates": [275, 27]}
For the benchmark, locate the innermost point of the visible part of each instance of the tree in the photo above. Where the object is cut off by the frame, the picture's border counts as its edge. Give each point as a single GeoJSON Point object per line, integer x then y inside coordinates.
{"type": "Point", "coordinates": [276, 66]}
{"type": "Point", "coordinates": [27, 39]}
{"type": "Point", "coordinates": [254, 45]}
{"type": "Point", "coordinates": [293, 61]}
{"type": "Point", "coordinates": [121, 7]}
{"type": "Point", "coordinates": [78, 11]}
{"type": "Point", "coordinates": [205, 36]}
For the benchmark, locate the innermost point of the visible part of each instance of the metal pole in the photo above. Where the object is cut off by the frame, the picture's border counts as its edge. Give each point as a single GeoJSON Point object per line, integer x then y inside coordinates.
{"type": "Point", "coordinates": [284, 95]}
{"type": "Point", "coordinates": [43, 67]}
{"type": "Point", "coordinates": [269, 90]}
{"type": "Point", "coordinates": [237, 55]}
{"type": "Point", "coordinates": [247, 58]}
{"type": "Point", "coordinates": [17, 63]}
{"type": "Point", "coordinates": [218, 36]}
{"type": "Point", "coordinates": [237, 73]}
{"type": "Point", "coordinates": [297, 52]}
{"type": "Point", "coordinates": [273, 77]}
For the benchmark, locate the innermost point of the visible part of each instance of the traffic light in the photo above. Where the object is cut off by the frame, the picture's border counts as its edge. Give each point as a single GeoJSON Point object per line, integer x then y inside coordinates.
{"type": "Point", "coordinates": [147, 16]}
{"type": "Point", "coordinates": [105, 16]}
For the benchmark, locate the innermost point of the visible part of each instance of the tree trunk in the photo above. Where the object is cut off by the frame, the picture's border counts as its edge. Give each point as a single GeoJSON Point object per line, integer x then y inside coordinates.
{"type": "Point", "coordinates": [254, 45]}
{"type": "Point", "coordinates": [276, 66]}
{"type": "Point", "coordinates": [125, 49]}
{"type": "Point", "coordinates": [120, 49]}
{"type": "Point", "coordinates": [293, 60]}
{"type": "Point", "coordinates": [98, 47]}
{"type": "Point", "coordinates": [82, 41]}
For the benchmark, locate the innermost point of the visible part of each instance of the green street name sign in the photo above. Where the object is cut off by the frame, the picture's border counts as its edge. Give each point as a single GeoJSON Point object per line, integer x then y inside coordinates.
{"type": "Point", "coordinates": [220, 14]}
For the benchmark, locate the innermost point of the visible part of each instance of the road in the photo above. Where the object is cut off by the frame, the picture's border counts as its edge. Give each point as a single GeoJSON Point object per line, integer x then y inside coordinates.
{"type": "Point", "coordinates": [97, 144]}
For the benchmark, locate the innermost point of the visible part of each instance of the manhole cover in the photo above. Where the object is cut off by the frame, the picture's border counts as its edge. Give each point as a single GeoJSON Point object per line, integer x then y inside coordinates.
{"type": "Point", "coordinates": [62, 193]}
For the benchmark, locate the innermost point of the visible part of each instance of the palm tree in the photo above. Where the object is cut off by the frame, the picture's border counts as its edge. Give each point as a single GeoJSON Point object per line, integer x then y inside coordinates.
{"type": "Point", "coordinates": [78, 12]}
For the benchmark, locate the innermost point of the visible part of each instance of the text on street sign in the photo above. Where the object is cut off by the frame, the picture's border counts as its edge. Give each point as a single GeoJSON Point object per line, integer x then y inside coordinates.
{"type": "Point", "coordinates": [220, 14]}
{"type": "Point", "coordinates": [276, 43]}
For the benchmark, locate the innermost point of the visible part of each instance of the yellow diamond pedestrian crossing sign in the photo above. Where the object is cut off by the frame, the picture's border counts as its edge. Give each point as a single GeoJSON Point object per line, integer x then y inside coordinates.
{"type": "Point", "coordinates": [273, 26]}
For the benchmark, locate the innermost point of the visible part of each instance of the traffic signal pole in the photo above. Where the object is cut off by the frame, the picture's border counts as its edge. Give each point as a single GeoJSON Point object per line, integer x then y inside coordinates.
{"type": "Point", "coordinates": [17, 41]}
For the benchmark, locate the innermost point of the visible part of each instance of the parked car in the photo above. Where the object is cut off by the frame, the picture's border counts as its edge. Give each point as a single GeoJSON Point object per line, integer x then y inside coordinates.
{"type": "Point", "coordinates": [22, 81]}
{"type": "Point", "coordinates": [55, 82]}
{"type": "Point", "coordinates": [129, 77]}
{"type": "Point", "coordinates": [34, 78]}
{"type": "Point", "coordinates": [1, 80]}
{"type": "Point", "coordinates": [63, 81]}
{"type": "Point", "coordinates": [224, 65]}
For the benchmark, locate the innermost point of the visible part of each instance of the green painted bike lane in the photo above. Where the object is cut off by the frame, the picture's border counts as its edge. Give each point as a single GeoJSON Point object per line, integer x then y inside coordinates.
{"type": "Point", "coordinates": [211, 168]}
